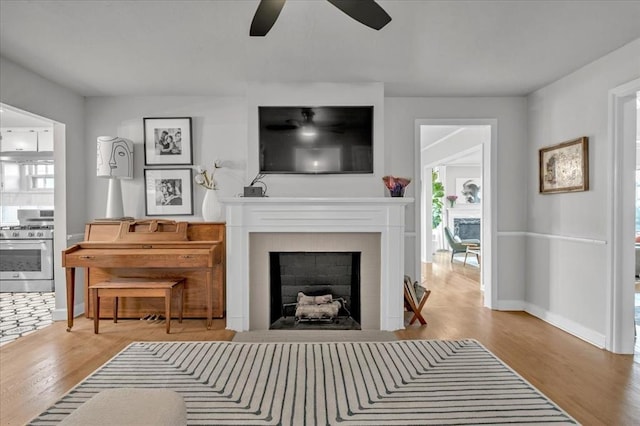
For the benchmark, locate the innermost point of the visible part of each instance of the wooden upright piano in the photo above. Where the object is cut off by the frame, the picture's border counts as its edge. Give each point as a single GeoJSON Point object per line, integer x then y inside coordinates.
{"type": "Point", "coordinates": [151, 249]}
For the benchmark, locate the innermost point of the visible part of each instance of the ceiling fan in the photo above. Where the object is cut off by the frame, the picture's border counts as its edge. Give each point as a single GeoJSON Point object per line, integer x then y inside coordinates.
{"type": "Point", "coordinates": [367, 12]}
{"type": "Point", "coordinates": [308, 126]}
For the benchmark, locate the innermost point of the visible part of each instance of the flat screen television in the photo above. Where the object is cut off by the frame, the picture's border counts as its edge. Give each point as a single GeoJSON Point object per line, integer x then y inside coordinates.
{"type": "Point", "coordinates": [316, 139]}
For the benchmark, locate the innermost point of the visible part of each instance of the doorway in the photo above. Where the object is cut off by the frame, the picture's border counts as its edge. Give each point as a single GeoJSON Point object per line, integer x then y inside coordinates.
{"type": "Point", "coordinates": [34, 173]}
{"type": "Point", "coordinates": [457, 143]}
{"type": "Point", "coordinates": [623, 134]}
{"type": "Point", "coordinates": [636, 299]}
{"type": "Point", "coordinates": [26, 187]}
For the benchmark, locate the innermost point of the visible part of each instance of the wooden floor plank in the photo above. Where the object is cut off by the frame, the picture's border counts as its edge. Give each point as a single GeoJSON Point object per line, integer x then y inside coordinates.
{"type": "Point", "coordinates": [594, 386]}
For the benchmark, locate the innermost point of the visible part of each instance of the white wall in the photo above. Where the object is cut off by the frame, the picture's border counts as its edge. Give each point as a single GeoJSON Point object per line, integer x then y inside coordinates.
{"type": "Point", "coordinates": [459, 210]}
{"type": "Point", "coordinates": [30, 92]}
{"type": "Point", "coordinates": [509, 157]}
{"type": "Point", "coordinates": [457, 172]}
{"type": "Point", "coordinates": [567, 281]}
{"type": "Point", "coordinates": [227, 128]}
{"type": "Point", "coordinates": [219, 131]}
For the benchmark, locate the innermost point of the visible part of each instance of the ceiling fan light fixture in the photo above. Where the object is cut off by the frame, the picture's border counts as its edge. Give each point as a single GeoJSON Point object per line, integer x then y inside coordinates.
{"type": "Point", "coordinates": [309, 131]}
{"type": "Point", "coordinates": [308, 128]}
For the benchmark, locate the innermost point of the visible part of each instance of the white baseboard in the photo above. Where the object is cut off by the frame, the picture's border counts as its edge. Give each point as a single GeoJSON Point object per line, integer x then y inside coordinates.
{"type": "Point", "coordinates": [510, 305]}
{"type": "Point", "coordinates": [571, 327]}
{"type": "Point", "coordinates": [61, 314]}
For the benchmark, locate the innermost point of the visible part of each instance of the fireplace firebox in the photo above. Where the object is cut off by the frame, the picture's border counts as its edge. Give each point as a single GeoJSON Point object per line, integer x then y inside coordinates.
{"type": "Point", "coordinates": [303, 283]}
{"type": "Point", "coordinates": [467, 228]}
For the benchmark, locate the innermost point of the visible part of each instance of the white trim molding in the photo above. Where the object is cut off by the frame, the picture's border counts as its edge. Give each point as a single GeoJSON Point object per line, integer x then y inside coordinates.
{"type": "Point", "coordinates": [620, 255]}
{"type": "Point", "coordinates": [511, 305]}
{"type": "Point", "coordinates": [316, 215]}
{"type": "Point", "coordinates": [571, 327]}
{"type": "Point", "coordinates": [61, 314]}
{"type": "Point", "coordinates": [550, 237]}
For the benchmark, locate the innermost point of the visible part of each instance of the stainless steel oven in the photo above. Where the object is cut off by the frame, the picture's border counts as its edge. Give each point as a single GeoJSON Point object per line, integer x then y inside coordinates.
{"type": "Point", "coordinates": [26, 255]}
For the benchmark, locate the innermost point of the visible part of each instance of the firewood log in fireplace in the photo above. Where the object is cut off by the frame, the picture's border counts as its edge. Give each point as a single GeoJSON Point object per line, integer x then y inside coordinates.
{"type": "Point", "coordinates": [319, 308]}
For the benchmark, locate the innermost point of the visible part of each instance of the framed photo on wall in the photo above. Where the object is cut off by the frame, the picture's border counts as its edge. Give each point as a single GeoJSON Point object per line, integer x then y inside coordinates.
{"type": "Point", "coordinates": [167, 141]}
{"type": "Point", "coordinates": [468, 190]}
{"type": "Point", "coordinates": [168, 192]}
{"type": "Point", "coordinates": [565, 167]}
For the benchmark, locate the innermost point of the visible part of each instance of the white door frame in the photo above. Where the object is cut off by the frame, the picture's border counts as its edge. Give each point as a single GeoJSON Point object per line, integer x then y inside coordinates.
{"type": "Point", "coordinates": [621, 254]}
{"type": "Point", "coordinates": [60, 207]}
{"type": "Point", "coordinates": [489, 209]}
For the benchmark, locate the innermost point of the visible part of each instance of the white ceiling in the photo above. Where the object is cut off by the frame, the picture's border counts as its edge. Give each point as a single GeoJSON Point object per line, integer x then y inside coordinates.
{"type": "Point", "coordinates": [430, 48]}
{"type": "Point", "coordinates": [435, 134]}
{"type": "Point", "coordinates": [10, 117]}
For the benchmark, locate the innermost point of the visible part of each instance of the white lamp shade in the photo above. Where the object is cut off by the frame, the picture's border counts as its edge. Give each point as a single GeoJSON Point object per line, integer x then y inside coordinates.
{"type": "Point", "coordinates": [114, 157]}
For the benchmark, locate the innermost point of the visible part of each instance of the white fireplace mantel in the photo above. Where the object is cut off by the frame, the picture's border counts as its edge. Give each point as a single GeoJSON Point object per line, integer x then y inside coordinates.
{"type": "Point", "coordinates": [309, 215]}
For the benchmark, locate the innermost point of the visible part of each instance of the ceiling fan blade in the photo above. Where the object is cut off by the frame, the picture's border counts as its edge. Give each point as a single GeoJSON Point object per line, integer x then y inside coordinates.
{"type": "Point", "coordinates": [265, 16]}
{"type": "Point", "coordinates": [294, 123]}
{"type": "Point", "coordinates": [279, 127]}
{"type": "Point", "coordinates": [330, 125]}
{"type": "Point", "coordinates": [367, 12]}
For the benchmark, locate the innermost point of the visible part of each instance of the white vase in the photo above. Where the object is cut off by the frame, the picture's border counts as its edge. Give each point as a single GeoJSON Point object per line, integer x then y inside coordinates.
{"type": "Point", "coordinates": [211, 208]}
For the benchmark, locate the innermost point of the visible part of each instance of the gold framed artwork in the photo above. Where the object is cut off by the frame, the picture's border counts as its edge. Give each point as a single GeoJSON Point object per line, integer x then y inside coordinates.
{"type": "Point", "coordinates": [565, 167]}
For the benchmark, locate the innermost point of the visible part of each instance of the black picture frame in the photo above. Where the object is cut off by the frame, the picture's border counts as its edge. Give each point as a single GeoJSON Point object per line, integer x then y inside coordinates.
{"type": "Point", "coordinates": [168, 141]}
{"type": "Point", "coordinates": [168, 192]}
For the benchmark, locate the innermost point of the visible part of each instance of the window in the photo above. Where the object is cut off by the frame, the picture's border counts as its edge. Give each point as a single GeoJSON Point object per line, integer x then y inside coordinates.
{"type": "Point", "coordinates": [24, 185]}
{"type": "Point", "coordinates": [40, 176]}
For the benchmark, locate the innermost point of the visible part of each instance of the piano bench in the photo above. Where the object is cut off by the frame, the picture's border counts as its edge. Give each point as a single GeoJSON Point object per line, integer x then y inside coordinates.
{"type": "Point", "coordinates": [123, 287]}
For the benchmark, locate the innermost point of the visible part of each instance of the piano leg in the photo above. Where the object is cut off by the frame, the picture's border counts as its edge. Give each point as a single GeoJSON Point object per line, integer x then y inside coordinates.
{"type": "Point", "coordinates": [71, 289]}
{"type": "Point", "coordinates": [210, 298]}
{"type": "Point", "coordinates": [95, 296]}
{"type": "Point", "coordinates": [167, 308]}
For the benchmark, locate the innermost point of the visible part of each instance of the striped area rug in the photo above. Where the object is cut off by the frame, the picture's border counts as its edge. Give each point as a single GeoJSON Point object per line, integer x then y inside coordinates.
{"type": "Point", "coordinates": [421, 382]}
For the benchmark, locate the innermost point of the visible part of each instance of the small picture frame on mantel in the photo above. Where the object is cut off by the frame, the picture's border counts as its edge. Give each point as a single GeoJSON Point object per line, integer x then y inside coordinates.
{"type": "Point", "coordinates": [565, 167]}
{"type": "Point", "coordinates": [167, 141]}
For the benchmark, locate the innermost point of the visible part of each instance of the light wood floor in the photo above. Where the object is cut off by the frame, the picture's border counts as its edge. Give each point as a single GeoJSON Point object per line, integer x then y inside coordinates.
{"type": "Point", "coordinates": [594, 386]}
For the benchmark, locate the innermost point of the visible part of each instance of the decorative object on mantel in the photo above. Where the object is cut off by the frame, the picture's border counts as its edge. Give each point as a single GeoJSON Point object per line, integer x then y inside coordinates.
{"type": "Point", "coordinates": [452, 200]}
{"type": "Point", "coordinates": [565, 167]}
{"type": "Point", "coordinates": [253, 191]}
{"type": "Point", "coordinates": [211, 207]}
{"type": "Point", "coordinates": [396, 185]}
{"type": "Point", "coordinates": [114, 161]}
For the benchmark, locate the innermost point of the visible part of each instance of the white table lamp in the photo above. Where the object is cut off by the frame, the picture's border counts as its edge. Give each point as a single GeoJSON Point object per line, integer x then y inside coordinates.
{"type": "Point", "coordinates": [114, 161]}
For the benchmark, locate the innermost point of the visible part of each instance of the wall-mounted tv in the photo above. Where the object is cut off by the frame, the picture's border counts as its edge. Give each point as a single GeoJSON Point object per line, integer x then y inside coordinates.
{"type": "Point", "coordinates": [316, 139]}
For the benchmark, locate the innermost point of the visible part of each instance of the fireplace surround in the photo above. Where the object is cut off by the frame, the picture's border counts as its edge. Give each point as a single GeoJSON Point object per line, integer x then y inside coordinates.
{"type": "Point", "coordinates": [256, 226]}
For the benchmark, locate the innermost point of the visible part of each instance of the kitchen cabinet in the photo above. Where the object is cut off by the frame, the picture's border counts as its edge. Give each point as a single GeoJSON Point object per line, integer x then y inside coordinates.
{"type": "Point", "coordinates": [45, 140]}
{"type": "Point", "coordinates": [18, 141]}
